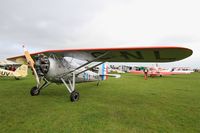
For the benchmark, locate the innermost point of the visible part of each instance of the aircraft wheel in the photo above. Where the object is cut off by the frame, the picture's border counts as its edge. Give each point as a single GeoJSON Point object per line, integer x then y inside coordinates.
{"type": "Point", "coordinates": [35, 91]}
{"type": "Point", "coordinates": [16, 78]}
{"type": "Point", "coordinates": [74, 96]}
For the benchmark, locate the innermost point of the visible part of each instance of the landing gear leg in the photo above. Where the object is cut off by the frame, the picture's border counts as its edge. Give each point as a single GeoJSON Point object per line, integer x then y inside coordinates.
{"type": "Point", "coordinates": [74, 95]}
{"type": "Point", "coordinates": [35, 91]}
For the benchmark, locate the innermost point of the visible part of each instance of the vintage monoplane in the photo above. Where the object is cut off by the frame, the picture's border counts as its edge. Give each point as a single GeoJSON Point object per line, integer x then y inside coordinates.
{"type": "Point", "coordinates": [20, 72]}
{"type": "Point", "coordinates": [61, 66]}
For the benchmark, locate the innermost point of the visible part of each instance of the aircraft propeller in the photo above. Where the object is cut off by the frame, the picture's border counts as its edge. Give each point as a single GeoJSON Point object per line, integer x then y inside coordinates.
{"type": "Point", "coordinates": [31, 63]}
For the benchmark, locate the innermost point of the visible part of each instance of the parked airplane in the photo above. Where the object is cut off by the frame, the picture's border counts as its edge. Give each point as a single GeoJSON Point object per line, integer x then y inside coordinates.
{"type": "Point", "coordinates": [52, 65]}
{"type": "Point", "coordinates": [7, 63]}
{"type": "Point", "coordinates": [182, 70]}
{"type": "Point", "coordinates": [159, 72]}
{"type": "Point", "coordinates": [21, 71]}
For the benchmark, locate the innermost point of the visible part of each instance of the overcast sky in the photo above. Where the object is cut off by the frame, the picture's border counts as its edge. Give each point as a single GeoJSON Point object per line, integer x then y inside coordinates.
{"type": "Point", "coordinates": [57, 24]}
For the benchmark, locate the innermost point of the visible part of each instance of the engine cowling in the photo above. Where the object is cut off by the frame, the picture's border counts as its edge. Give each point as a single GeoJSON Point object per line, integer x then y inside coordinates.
{"type": "Point", "coordinates": [42, 64]}
{"type": "Point", "coordinates": [57, 67]}
{"type": "Point", "coordinates": [51, 68]}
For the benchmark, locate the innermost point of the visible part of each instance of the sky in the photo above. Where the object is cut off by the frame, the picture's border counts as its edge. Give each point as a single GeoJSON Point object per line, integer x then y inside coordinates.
{"type": "Point", "coordinates": [60, 24]}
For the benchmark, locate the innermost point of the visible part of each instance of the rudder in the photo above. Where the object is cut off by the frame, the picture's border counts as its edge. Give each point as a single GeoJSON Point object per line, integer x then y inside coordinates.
{"type": "Point", "coordinates": [103, 71]}
{"type": "Point", "coordinates": [22, 71]}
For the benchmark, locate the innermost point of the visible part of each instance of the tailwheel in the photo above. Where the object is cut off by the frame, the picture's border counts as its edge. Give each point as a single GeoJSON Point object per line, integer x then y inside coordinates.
{"type": "Point", "coordinates": [16, 78]}
{"type": "Point", "coordinates": [74, 96]}
{"type": "Point", "coordinates": [35, 91]}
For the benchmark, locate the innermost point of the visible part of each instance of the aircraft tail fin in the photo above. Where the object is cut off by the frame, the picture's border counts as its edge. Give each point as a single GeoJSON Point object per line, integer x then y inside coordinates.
{"type": "Point", "coordinates": [22, 71]}
{"type": "Point", "coordinates": [103, 71]}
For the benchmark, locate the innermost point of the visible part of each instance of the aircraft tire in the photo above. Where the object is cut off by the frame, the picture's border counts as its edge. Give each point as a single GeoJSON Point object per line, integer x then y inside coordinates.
{"type": "Point", "coordinates": [34, 91]}
{"type": "Point", "coordinates": [17, 78]}
{"type": "Point", "coordinates": [74, 96]}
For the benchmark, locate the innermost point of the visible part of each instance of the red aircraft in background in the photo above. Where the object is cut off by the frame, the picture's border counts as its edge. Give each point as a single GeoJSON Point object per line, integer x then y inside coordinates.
{"type": "Point", "coordinates": [159, 72]}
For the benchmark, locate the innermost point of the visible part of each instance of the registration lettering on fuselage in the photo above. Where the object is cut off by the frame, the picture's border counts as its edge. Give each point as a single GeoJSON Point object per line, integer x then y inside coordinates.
{"type": "Point", "coordinates": [4, 73]}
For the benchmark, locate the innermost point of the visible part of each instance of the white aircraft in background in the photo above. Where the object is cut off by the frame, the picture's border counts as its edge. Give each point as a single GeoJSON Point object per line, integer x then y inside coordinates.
{"type": "Point", "coordinates": [20, 72]}
{"type": "Point", "coordinates": [182, 70]}
{"type": "Point", "coordinates": [52, 65]}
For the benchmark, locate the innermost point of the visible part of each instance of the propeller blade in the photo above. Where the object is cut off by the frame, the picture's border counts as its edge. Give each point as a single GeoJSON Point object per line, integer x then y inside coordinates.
{"type": "Point", "coordinates": [31, 64]}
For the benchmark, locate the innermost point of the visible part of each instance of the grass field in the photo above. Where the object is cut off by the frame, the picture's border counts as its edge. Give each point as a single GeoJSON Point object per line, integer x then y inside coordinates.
{"type": "Point", "coordinates": [129, 104]}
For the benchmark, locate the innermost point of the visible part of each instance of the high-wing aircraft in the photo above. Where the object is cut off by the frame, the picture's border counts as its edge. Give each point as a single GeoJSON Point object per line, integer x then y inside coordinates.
{"type": "Point", "coordinates": [4, 63]}
{"type": "Point", "coordinates": [182, 70]}
{"type": "Point", "coordinates": [152, 72]}
{"type": "Point", "coordinates": [59, 66]}
{"type": "Point", "coordinates": [159, 72]}
{"type": "Point", "coordinates": [21, 71]}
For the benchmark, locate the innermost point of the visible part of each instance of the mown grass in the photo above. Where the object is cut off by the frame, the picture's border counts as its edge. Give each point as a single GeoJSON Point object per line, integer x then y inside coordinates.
{"type": "Point", "coordinates": [129, 104]}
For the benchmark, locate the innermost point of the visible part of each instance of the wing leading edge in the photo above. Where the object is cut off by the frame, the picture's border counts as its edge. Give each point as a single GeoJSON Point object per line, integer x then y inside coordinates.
{"type": "Point", "coordinates": [130, 54]}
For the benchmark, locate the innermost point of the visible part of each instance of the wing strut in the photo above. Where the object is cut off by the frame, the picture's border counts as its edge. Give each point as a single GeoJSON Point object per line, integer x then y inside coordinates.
{"type": "Point", "coordinates": [90, 68]}
{"type": "Point", "coordinates": [62, 75]}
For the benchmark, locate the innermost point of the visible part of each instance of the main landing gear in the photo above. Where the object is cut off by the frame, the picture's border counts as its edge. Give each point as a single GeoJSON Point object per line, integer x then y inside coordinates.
{"type": "Point", "coordinates": [74, 95]}
{"type": "Point", "coordinates": [35, 91]}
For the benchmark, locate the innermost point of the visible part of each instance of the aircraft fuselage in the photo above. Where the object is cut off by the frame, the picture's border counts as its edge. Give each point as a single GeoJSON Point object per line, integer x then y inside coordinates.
{"type": "Point", "coordinates": [59, 67]}
{"type": "Point", "coordinates": [5, 73]}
